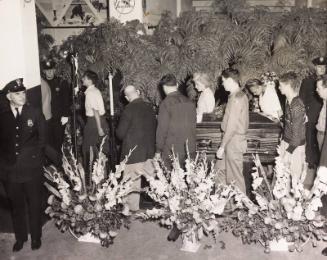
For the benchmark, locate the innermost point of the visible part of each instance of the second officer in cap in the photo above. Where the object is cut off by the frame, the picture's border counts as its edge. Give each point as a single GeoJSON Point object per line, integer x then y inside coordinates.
{"type": "Point", "coordinates": [60, 104]}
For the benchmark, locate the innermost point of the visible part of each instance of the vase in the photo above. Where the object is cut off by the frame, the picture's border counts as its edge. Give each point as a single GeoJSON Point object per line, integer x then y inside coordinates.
{"type": "Point", "coordinates": [279, 245]}
{"type": "Point", "coordinates": [88, 237]}
{"type": "Point", "coordinates": [190, 242]}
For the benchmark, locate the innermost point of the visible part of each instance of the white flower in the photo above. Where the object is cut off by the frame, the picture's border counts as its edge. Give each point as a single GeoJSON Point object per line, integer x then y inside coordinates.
{"type": "Point", "coordinates": [219, 206]}
{"type": "Point", "coordinates": [174, 204]}
{"type": "Point", "coordinates": [315, 203]}
{"type": "Point", "coordinates": [257, 182]}
{"type": "Point", "coordinates": [297, 212]}
{"type": "Point", "coordinates": [309, 214]}
{"type": "Point", "coordinates": [263, 203]}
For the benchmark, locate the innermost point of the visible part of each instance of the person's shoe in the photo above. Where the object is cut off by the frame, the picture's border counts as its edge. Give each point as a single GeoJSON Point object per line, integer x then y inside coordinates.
{"type": "Point", "coordinates": [324, 252]}
{"type": "Point", "coordinates": [36, 244]}
{"type": "Point", "coordinates": [18, 245]}
{"type": "Point", "coordinates": [173, 234]}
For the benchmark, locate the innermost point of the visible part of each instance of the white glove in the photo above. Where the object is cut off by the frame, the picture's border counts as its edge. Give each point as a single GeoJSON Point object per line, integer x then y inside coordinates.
{"type": "Point", "coordinates": [64, 120]}
{"type": "Point", "coordinates": [220, 153]}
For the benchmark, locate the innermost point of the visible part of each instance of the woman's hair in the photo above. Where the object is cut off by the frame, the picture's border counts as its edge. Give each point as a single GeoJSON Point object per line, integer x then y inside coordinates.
{"type": "Point", "coordinates": [231, 73]}
{"type": "Point", "coordinates": [323, 78]}
{"type": "Point", "coordinates": [253, 83]}
{"type": "Point", "coordinates": [204, 78]}
{"type": "Point", "coordinates": [290, 78]}
{"type": "Point", "coordinates": [168, 80]}
{"type": "Point", "coordinates": [91, 75]}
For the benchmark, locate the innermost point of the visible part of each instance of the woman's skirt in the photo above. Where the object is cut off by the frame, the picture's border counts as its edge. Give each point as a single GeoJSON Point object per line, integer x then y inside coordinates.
{"type": "Point", "coordinates": [91, 137]}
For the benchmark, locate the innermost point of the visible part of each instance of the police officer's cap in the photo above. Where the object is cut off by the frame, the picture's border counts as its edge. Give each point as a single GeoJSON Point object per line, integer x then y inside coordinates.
{"type": "Point", "coordinates": [14, 86]}
{"type": "Point", "coordinates": [319, 61]}
{"type": "Point", "coordinates": [48, 65]}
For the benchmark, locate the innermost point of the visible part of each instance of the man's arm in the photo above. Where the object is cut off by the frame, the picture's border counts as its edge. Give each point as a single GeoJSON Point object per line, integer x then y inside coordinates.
{"type": "Point", "coordinates": [123, 125]}
{"type": "Point", "coordinates": [41, 128]}
{"type": "Point", "coordinates": [231, 126]}
{"type": "Point", "coordinates": [298, 122]}
{"type": "Point", "coordinates": [67, 98]}
{"type": "Point", "coordinates": [162, 128]}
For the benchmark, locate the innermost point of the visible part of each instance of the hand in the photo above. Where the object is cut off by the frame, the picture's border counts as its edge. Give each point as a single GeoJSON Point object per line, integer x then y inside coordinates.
{"type": "Point", "coordinates": [220, 152]}
{"type": "Point", "coordinates": [101, 132]}
{"type": "Point", "coordinates": [64, 120]}
{"type": "Point", "coordinates": [157, 156]}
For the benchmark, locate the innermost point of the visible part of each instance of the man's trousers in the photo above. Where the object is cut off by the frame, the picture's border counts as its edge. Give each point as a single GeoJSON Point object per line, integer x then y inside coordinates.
{"type": "Point", "coordinates": [22, 195]}
{"type": "Point", "coordinates": [230, 168]}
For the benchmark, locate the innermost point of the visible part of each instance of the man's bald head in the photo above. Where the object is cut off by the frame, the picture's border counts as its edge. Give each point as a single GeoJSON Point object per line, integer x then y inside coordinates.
{"type": "Point", "coordinates": [131, 93]}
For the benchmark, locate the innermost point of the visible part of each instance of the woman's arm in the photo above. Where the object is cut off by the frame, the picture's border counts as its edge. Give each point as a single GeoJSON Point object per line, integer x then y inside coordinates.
{"type": "Point", "coordinates": [98, 122]}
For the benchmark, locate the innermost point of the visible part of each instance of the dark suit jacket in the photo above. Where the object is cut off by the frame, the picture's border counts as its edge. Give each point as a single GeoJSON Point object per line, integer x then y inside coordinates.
{"type": "Point", "coordinates": [310, 98]}
{"type": "Point", "coordinates": [137, 127]}
{"type": "Point", "coordinates": [21, 144]}
{"type": "Point", "coordinates": [176, 124]}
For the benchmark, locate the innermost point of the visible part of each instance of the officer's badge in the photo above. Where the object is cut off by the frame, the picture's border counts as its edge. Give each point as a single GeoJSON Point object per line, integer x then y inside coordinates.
{"type": "Point", "coordinates": [30, 123]}
{"type": "Point", "coordinates": [57, 89]}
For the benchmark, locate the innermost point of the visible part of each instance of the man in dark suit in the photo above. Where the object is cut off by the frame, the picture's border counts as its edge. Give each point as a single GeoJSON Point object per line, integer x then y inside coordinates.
{"type": "Point", "coordinates": [313, 105]}
{"type": "Point", "coordinates": [176, 128]}
{"type": "Point", "coordinates": [60, 104]}
{"type": "Point", "coordinates": [136, 129]}
{"type": "Point", "coordinates": [322, 92]}
{"type": "Point", "coordinates": [176, 123]}
{"type": "Point", "coordinates": [22, 138]}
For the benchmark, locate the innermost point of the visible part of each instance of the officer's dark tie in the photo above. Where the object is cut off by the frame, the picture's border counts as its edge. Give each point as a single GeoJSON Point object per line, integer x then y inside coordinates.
{"type": "Point", "coordinates": [17, 114]}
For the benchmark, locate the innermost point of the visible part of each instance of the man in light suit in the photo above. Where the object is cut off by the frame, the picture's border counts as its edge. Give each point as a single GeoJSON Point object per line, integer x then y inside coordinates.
{"type": "Point", "coordinates": [22, 139]}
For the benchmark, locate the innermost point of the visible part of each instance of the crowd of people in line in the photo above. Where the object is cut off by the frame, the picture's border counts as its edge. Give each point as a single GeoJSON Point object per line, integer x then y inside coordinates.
{"type": "Point", "coordinates": [26, 133]}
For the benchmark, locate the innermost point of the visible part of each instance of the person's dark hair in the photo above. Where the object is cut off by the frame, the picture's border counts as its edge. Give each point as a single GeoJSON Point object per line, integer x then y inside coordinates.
{"type": "Point", "coordinates": [323, 78]}
{"type": "Point", "coordinates": [92, 76]}
{"type": "Point", "coordinates": [231, 73]}
{"type": "Point", "coordinates": [289, 78]}
{"type": "Point", "coordinates": [168, 80]}
{"type": "Point", "coordinates": [253, 83]}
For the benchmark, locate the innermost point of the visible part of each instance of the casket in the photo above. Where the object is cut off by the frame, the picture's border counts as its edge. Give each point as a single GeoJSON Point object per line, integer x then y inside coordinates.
{"type": "Point", "coordinates": [262, 137]}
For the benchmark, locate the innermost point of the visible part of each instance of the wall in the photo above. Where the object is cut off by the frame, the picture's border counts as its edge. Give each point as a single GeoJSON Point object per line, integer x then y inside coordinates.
{"type": "Point", "coordinates": [18, 45]}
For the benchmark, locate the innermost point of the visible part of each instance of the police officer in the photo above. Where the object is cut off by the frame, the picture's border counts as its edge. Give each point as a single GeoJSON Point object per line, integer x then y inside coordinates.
{"type": "Point", "coordinates": [22, 137]}
{"type": "Point", "coordinates": [313, 105]}
{"type": "Point", "coordinates": [60, 104]}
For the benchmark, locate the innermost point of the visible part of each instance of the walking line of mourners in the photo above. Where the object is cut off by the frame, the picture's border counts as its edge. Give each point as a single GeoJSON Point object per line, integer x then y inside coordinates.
{"type": "Point", "coordinates": [30, 137]}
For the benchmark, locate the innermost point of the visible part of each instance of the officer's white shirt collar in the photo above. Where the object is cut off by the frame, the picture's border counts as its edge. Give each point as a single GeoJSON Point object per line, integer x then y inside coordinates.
{"type": "Point", "coordinates": [13, 109]}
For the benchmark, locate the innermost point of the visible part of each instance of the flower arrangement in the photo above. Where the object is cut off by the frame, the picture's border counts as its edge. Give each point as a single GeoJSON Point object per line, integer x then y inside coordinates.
{"type": "Point", "coordinates": [88, 207]}
{"type": "Point", "coordinates": [283, 210]}
{"type": "Point", "coordinates": [187, 198]}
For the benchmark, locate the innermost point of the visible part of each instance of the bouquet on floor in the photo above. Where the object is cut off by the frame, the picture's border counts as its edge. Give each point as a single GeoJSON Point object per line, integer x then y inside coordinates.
{"type": "Point", "coordinates": [284, 210]}
{"type": "Point", "coordinates": [88, 205]}
{"type": "Point", "coordinates": [188, 199]}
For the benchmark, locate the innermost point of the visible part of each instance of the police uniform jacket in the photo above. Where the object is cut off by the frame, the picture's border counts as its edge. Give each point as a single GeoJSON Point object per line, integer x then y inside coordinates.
{"type": "Point", "coordinates": [60, 97]}
{"type": "Point", "coordinates": [21, 144]}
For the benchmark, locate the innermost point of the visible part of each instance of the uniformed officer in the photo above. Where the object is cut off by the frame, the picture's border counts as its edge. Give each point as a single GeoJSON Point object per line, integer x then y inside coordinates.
{"type": "Point", "coordinates": [235, 124]}
{"type": "Point", "coordinates": [22, 138]}
{"type": "Point", "coordinates": [313, 105]}
{"type": "Point", "coordinates": [60, 104]}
